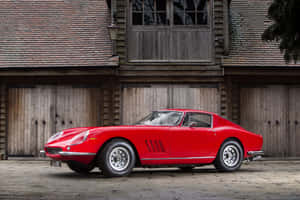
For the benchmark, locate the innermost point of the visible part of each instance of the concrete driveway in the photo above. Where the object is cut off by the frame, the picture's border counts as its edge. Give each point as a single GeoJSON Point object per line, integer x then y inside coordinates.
{"type": "Point", "coordinates": [259, 180]}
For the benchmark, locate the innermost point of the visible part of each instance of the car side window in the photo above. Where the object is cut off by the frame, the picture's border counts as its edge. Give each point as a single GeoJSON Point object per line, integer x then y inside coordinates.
{"type": "Point", "coordinates": [197, 120]}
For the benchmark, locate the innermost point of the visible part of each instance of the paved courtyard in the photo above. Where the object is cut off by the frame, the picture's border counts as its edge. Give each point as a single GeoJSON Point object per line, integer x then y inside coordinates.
{"type": "Point", "coordinates": [259, 180]}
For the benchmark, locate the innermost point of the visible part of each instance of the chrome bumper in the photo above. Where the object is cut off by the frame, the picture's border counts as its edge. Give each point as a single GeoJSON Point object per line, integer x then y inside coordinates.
{"type": "Point", "coordinates": [42, 153]}
{"type": "Point", "coordinates": [255, 155]}
{"type": "Point", "coordinates": [67, 153]}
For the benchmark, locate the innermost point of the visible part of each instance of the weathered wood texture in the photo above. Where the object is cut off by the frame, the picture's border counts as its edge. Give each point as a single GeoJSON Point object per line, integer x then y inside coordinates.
{"type": "Point", "coordinates": [139, 101]}
{"type": "Point", "coordinates": [3, 114]}
{"type": "Point", "coordinates": [111, 106]}
{"type": "Point", "coordinates": [294, 120]}
{"type": "Point", "coordinates": [273, 111]}
{"type": "Point", "coordinates": [154, 40]}
{"type": "Point", "coordinates": [169, 45]}
{"type": "Point", "coordinates": [37, 113]}
{"type": "Point", "coordinates": [219, 33]}
{"type": "Point", "coordinates": [121, 22]}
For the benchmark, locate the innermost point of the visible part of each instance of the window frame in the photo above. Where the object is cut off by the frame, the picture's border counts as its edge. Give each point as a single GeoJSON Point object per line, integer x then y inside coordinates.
{"type": "Point", "coordinates": [170, 17]}
{"type": "Point", "coordinates": [210, 115]}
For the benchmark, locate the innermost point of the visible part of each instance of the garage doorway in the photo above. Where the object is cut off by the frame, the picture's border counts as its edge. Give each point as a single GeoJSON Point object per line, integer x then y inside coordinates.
{"type": "Point", "coordinates": [139, 100]}
{"type": "Point", "coordinates": [274, 112]}
{"type": "Point", "coordinates": [36, 113]}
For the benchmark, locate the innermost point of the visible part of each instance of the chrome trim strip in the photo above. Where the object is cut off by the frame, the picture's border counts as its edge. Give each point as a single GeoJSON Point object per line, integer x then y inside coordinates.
{"type": "Point", "coordinates": [179, 158]}
{"type": "Point", "coordinates": [255, 153]}
{"type": "Point", "coordinates": [64, 153]}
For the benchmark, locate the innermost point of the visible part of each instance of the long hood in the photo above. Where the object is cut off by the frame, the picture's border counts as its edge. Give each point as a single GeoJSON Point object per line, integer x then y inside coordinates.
{"type": "Point", "coordinates": [69, 134]}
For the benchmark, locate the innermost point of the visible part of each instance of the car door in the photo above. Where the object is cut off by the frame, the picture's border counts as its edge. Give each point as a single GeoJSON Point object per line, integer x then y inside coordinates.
{"type": "Point", "coordinates": [195, 137]}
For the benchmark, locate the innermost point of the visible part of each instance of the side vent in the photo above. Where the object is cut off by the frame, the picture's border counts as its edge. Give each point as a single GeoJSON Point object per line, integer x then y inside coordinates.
{"type": "Point", "coordinates": [155, 146]}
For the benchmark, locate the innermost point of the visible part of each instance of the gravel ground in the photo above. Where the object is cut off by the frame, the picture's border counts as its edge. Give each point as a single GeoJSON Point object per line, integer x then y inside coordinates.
{"type": "Point", "coordinates": [258, 180]}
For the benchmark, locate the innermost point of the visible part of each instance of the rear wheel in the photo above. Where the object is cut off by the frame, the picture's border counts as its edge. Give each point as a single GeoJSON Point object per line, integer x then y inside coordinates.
{"type": "Point", "coordinates": [80, 167]}
{"type": "Point", "coordinates": [117, 158]}
{"type": "Point", "coordinates": [230, 156]}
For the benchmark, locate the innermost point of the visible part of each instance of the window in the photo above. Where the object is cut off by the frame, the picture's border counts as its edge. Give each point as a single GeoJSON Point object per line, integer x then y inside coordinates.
{"type": "Point", "coordinates": [154, 12]}
{"type": "Point", "coordinates": [149, 12]}
{"type": "Point", "coordinates": [190, 12]}
{"type": "Point", "coordinates": [197, 119]}
{"type": "Point", "coordinates": [162, 118]}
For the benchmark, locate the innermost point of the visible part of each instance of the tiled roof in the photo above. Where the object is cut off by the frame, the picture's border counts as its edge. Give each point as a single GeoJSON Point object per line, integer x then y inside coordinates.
{"type": "Point", "coordinates": [54, 33]}
{"type": "Point", "coordinates": [248, 21]}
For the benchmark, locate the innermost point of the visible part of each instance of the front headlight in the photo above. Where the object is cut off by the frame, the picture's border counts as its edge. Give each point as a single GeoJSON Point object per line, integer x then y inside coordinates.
{"type": "Point", "coordinates": [80, 138]}
{"type": "Point", "coordinates": [55, 136]}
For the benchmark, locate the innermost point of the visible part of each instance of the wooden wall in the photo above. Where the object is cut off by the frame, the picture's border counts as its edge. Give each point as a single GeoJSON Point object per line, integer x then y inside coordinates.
{"type": "Point", "coordinates": [220, 31]}
{"type": "Point", "coordinates": [3, 121]}
{"type": "Point", "coordinates": [137, 102]}
{"type": "Point", "coordinates": [274, 112]}
{"type": "Point", "coordinates": [35, 112]}
{"type": "Point", "coordinates": [170, 44]}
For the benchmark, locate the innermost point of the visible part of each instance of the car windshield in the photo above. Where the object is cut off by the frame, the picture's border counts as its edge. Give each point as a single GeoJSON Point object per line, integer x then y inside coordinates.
{"type": "Point", "coordinates": [162, 118]}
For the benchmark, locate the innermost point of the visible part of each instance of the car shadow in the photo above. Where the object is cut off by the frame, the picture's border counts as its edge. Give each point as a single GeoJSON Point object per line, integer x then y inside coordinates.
{"type": "Point", "coordinates": [150, 173]}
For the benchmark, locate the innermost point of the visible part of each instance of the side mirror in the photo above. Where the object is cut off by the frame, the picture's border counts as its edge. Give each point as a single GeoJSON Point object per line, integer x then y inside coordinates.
{"type": "Point", "coordinates": [192, 124]}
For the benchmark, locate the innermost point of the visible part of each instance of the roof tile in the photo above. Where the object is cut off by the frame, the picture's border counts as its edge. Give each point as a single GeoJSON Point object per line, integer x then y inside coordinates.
{"type": "Point", "coordinates": [54, 33]}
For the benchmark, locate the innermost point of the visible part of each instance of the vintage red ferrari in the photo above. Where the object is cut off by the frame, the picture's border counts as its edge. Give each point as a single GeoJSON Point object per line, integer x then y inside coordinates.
{"type": "Point", "coordinates": [170, 137]}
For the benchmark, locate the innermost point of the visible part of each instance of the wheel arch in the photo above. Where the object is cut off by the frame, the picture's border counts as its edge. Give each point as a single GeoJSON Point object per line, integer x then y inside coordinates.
{"type": "Point", "coordinates": [138, 161]}
{"type": "Point", "coordinates": [232, 139]}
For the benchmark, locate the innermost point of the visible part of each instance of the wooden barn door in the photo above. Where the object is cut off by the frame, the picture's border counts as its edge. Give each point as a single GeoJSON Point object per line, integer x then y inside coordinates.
{"type": "Point", "coordinates": [139, 101]}
{"type": "Point", "coordinates": [37, 113]}
{"type": "Point", "coordinates": [77, 107]}
{"type": "Point", "coordinates": [29, 119]}
{"type": "Point", "coordinates": [200, 97]}
{"type": "Point", "coordinates": [264, 110]}
{"type": "Point", "coordinates": [294, 121]}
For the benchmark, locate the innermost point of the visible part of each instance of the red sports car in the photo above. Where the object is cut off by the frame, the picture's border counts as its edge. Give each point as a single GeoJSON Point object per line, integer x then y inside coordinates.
{"type": "Point", "coordinates": [171, 137]}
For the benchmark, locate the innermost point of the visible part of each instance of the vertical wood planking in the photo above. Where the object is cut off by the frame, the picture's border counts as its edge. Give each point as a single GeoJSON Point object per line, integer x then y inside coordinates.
{"type": "Point", "coordinates": [77, 107]}
{"type": "Point", "coordinates": [3, 121]}
{"type": "Point", "coordinates": [294, 121]}
{"type": "Point", "coordinates": [137, 102]}
{"type": "Point", "coordinates": [264, 111]}
{"type": "Point", "coordinates": [32, 114]}
{"type": "Point", "coordinates": [197, 98]}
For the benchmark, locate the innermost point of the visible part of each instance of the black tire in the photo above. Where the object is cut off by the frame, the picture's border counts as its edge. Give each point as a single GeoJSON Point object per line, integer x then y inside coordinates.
{"type": "Point", "coordinates": [230, 156]}
{"type": "Point", "coordinates": [186, 169]}
{"type": "Point", "coordinates": [80, 167]}
{"type": "Point", "coordinates": [117, 158]}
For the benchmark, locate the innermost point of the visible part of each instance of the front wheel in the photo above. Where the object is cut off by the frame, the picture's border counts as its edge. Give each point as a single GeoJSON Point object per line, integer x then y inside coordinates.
{"type": "Point", "coordinates": [117, 158]}
{"type": "Point", "coordinates": [230, 156]}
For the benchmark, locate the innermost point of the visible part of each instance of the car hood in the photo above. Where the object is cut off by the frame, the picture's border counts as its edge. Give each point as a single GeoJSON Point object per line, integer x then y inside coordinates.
{"type": "Point", "coordinates": [70, 133]}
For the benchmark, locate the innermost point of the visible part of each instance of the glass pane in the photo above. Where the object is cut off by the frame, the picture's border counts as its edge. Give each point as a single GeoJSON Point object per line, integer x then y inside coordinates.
{"type": "Point", "coordinates": [179, 18]}
{"type": "Point", "coordinates": [197, 120]}
{"type": "Point", "coordinates": [189, 18]}
{"type": "Point", "coordinates": [178, 5]}
{"type": "Point", "coordinates": [137, 5]}
{"type": "Point", "coordinates": [149, 5]}
{"type": "Point", "coordinates": [161, 5]}
{"type": "Point", "coordinates": [137, 19]}
{"type": "Point", "coordinates": [189, 5]}
{"type": "Point", "coordinates": [161, 18]}
{"type": "Point", "coordinates": [201, 5]}
{"type": "Point", "coordinates": [202, 18]}
{"type": "Point", "coordinates": [148, 18]}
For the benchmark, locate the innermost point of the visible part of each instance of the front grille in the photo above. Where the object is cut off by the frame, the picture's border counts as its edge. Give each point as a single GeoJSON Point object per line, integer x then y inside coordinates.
{"type": "Point", "coordinates": [53, 150]}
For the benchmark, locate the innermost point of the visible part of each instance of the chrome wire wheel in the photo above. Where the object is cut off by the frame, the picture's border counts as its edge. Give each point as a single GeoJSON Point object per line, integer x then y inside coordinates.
{"type": "Point", "coordinates": [119, 158]}
{"type": "Point", "coordinates": [231, 156]}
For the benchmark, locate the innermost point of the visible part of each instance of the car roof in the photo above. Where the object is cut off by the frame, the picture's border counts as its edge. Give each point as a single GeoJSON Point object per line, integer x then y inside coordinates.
{"type": "Point", "coordinates": [188, 110]}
